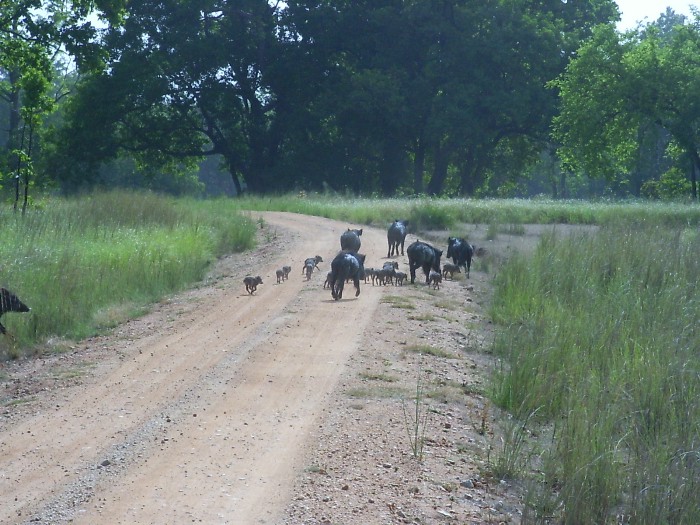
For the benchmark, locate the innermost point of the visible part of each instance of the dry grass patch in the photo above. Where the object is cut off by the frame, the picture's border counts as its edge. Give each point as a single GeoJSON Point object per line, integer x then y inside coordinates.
{"type": "Point", "coordinates": [378, 377]}
{"type": "Point", "coordinates": [377, 392]}
{"type": "Point", "coordinates": [430, 350]}
{"type": "Point", "coordinates": [446, 394]}
{"type": "Point", "coordinates": [423, 317]}
{"type": "Point", "coordinates": [21, 401]}
{"type": "Point", "coordinates": [397, 301]}
{"type": "Point", "coordinates": [73, 372]}
{"type": "Point", "coordinates": [114, 315]}
{"type": "Point", "coordinates": [446, 304]}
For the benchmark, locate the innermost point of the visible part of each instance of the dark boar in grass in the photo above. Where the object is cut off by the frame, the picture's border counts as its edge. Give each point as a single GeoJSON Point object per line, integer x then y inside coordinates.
{"type": "Point", "coordinates": [9, 302]}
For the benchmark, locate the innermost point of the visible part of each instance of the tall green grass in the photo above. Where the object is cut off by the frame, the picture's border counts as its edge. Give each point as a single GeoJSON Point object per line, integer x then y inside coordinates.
{"type": "Point", "coordinates": [72, 259]}
{"type": "Point", "coordinates": [438, 213]}
{"type": "Point", "coordinates": [602, 343]}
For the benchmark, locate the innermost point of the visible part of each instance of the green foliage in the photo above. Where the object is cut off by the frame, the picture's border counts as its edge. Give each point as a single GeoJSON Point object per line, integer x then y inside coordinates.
{"type": "Point", "coordinates": [431, 215]}
{"type": "Point", "coordinates": [511, 456]}
{"type": "Point", "coordinates": [72, 260]}
{"type": "Point", "coordinates": [31, 34]}
{"type": "Point", "coordinates": [673, 184]}
{"type": "Point", "coordinates": [600, 340]}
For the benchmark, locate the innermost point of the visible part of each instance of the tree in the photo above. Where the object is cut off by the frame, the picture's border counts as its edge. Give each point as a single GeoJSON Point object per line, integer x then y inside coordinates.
{"type": "Point", "coordinates": [183, 80]}
{"type": "Point", "coordinates": [452, 86]}
{"type": "Point", "coordinates": [621, 84]}
{"type": "Point", "coordinates": [381, 95]}
{"type": "Point", "coordinates": [32, 34]}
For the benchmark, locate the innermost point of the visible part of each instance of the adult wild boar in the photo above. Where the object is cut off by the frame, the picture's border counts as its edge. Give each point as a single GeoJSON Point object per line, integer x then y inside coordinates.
{"type": "Point", "coordinates": [350, 240]}
{"type": "Point", "coordinates": [461, 253]}
{"type": "Point", "coordinates": [346, 265]}
{"type": "Point", "coordinates": [423, 255]}
{"type": "Point", "coordinates": [396, 236]}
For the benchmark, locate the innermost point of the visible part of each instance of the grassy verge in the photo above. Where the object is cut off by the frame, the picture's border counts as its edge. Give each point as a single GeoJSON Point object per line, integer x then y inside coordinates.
{"type": "Point", "coordinates": [602, 345]}
{"type": "Point", "coordinates": [72, 260]}
{"type": "Point", "coordinates": [435, 213]}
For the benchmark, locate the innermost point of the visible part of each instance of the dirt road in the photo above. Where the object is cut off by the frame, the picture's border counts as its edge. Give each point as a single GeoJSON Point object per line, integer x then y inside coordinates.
{"type": "Point", "coordinates": [203, 418]}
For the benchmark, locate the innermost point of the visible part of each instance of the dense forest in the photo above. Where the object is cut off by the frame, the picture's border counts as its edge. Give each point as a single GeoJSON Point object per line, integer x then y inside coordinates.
{"type": "Point", "coordinates": [367, 97]}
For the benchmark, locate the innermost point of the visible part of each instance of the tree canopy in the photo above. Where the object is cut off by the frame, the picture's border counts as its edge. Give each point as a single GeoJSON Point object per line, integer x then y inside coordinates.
{"type": "Point", "coordinates": [378, 96]}
{"type": "Point", "coordinates": [375, 97]}
{"type": "Point", "coordinates": [619, 88]}
{"type": "Point", "coordinates": [33, 33]}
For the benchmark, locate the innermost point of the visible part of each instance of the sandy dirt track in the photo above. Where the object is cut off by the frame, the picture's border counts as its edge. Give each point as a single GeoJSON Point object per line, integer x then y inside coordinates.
{"type": "Point", "coordinates": [203, 418]}
{"type": "Point", "coordinates": [282, 408]}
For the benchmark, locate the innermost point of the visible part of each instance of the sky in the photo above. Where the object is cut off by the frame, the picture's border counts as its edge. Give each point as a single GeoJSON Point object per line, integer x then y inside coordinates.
{"type": "Point", "coordinates": [632, 11]}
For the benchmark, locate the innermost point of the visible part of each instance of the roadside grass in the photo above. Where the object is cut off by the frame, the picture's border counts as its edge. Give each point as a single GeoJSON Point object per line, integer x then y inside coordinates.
{"type": "Point", "coordinates": [16, 402]}
{"type": "Point", "coordinates": [87, 263]}
{"type": "Point", "coordinates": [446, 304]}
{"type": "Point", "coordinates": [115, 314]}
{"type": "Point", "coordinates": [445, 393]}
{"type": "Point", "coordinates": [599, 342]}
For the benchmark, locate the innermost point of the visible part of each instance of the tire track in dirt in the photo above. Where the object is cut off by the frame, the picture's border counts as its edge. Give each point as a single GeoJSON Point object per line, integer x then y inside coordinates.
{"type": "Point", "coordinates": [206, 421]}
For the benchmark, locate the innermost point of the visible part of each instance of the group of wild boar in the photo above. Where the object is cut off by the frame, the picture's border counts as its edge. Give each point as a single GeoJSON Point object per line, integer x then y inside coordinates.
{"type": "Point", "coordinates": [349, 265]}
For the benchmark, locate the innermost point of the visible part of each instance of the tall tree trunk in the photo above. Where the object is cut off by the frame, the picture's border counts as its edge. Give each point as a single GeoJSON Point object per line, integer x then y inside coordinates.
{"type": "Point", "coordinates": [27, 171]}
{"type": "Point", "coordinates": [14, 100]}
{"type": "Point", "coordinates": [466, 174]}
{"type": "Point", "coordinates": [418, 166]}
{"type": "Point", "coordinates": [694, 167]}
{"type": "Point", "coordinates": [232, 162]}
{"type": "Point", "coordinates": [13, 137]}
{"type": "Point", "coordinates": [254, 179]}
{"type": "Point", "coordinates": [437, 181]}
{"type": "Point", "coordinates": [15, 119]}
{"type": "Point", "coordinates": [18, 167]}
{"type": "Point", "coordinates": [236, 183]}
{"type": "Point", "coordinates": [392, 166]}
{"type": "Point", "coordinates": [563, 193]}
